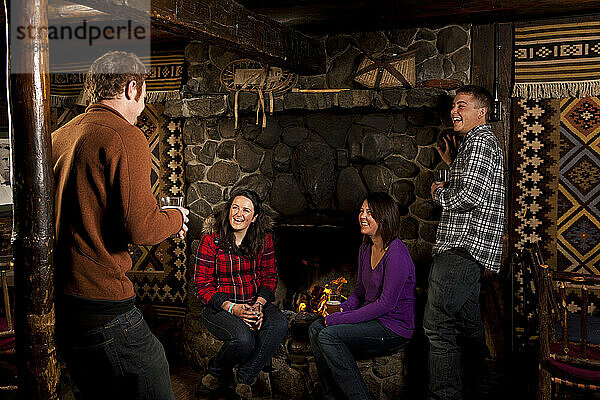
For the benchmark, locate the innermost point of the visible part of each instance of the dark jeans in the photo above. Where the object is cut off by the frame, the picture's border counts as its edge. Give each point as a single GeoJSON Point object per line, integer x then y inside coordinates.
{"type": "Point", "coordinates": [336, 348]}
{"type": "Point", "coordinates": [248, 349]}
{"type": "Point", "coordinates": [452, 318]}
{"type": "Point", "coordinates": [120, 360]}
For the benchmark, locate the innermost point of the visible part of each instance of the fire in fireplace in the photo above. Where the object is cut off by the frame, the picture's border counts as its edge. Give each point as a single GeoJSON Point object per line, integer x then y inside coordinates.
{"type": "Point", "coordinates": [311, 258]}
{"type": "Point", "coordinates": [318, 298]}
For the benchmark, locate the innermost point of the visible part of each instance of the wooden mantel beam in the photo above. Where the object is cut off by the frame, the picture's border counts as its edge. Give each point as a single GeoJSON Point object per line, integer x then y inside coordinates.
{"type": "Point", "coordinates": [227, 24]}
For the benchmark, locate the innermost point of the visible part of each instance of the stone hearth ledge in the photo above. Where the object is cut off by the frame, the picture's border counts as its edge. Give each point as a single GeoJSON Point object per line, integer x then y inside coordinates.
{"type": "Point", "coordinates": [221, 104]}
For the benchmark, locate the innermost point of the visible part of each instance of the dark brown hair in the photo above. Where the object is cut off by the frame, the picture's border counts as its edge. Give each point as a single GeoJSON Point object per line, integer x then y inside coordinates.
{"type": "Point", "coordinates": [482, 97]}
{"type": "Point", "coordinates": [384, 211]}
{"type": "Point", "coordinates": [110, 74]}
{"type": "Point", "coordinates": [254, 241]}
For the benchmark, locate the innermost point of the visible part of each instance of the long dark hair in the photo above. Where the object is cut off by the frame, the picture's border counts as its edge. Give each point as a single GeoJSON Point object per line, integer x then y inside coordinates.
{"type": "Point", "coordinates": [254, 241]}
{"type": "Point", "coordinates": [384, 211]}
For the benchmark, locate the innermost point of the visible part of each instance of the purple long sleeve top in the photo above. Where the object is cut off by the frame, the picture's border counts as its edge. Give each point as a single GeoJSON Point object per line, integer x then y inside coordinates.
{"type": "Point", "coordinates": [385, 293]}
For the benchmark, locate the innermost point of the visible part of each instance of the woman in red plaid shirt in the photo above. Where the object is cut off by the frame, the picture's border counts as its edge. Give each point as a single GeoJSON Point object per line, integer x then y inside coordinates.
{"type": "Point", "coordinates": [235, 278]}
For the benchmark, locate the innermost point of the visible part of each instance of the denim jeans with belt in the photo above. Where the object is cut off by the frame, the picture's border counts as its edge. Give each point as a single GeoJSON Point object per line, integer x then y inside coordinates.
{"type": "Point", "coordinates": [119, 360]}
{"type": "Point", "coordinates": [452, 319]}
{"type": "Point", "coordinates": [336, 348]}
{"type": "Point", "coordinates": [249, 350]}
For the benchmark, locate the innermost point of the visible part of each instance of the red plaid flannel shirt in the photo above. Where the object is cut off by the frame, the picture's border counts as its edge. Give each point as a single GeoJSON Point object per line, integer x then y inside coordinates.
{"type": "Point", "coordinates": [219, 270]}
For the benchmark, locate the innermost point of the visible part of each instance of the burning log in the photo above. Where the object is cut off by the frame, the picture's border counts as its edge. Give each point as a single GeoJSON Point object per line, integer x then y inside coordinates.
{"type": "Point", "coordinates": [315, 300]}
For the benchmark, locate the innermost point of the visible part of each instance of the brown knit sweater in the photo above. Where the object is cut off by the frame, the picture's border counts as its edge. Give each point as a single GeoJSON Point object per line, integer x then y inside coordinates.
{"type": "Point", "coordinates": [103, 202]}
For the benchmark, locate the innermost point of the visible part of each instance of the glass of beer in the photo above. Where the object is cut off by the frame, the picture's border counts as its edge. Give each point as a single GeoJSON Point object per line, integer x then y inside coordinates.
{"type": "Point", "coordinates": [171, 201]}
{"type": "Point", "coordinates": [333, 304]}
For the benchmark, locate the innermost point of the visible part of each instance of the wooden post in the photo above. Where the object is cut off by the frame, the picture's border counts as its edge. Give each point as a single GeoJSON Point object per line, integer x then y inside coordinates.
{"type": "Point", "coordinates": [33, 193]}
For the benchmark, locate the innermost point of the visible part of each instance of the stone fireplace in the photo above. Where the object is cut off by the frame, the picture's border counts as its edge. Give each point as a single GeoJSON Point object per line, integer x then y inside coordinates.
{"type": "Point", "coordinates": [313, 164]}
{"type": "Point", "coordinates": [319, 155]}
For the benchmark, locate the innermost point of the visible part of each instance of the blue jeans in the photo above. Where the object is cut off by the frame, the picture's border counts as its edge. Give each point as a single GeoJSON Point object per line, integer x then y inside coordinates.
{"type": "Point", "coordinates": [119, 360]}
{"type": "Point", "coordinates": [336, 347]}
{"type": "Point", "coordinates": [249, 350]}
{"type": "Point", "coordinates": [452, 318]}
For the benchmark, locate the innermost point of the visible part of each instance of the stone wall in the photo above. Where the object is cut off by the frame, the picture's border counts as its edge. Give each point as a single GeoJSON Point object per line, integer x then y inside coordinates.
{"type": "Point", "coordinates": [317, 166]}
{"type": "Point", "coordinates": [442, 53]}
{"type": "Point", "coordinates": [322, 152]}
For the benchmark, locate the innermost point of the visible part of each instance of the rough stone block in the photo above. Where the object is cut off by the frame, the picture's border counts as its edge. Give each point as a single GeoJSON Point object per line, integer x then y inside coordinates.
{"type": "Point", "coordinates": [378, 178]}
{"type": "Point", "coordinates": [401, 167]}
{"type": "Point", "coordinates": [208, 152]}
{"type": "Point", "coordinates": [205, 106]}
{"type": "Point", "coordinates": [426, 209]}
{"type": "Point", "coordinates": [408, 228]}
{"type": "Point", "coordinates": [224, 173]}
{"type": "Point", "coordinates": [355, 98]}
{"type": "Point", "coordinates": [247, 157]}
{"type": "Point", "coordinates": [257, 182]}
{"type": "Point", "coordinates": [193, 131]}
{"type": "Point", "coordinates": [287, 381]}
{"type": "Point", "coordinates": [226, 149]}
{"type": "Point", "coordinates": [194, 172]}
{"type": "Point", "coordinates": [227, 128]}
{"type": "Point", "coordinates": [286, 196]}
{"type": "Point", "coordinates": [451, 39]}
{"type": "Point", "coordinates": [404, 146]}
{"type": "Point", "coordinates": [404, 192]}
{"type": "Point", "coordinates": [428, 157]}
{"type": "Point", "coordinates": [428, 97]}
{"type": "Point", "coordinates": [308, 101]}
{"type": "Point", "coordinates": [211, 192]}
{"type": "Point", "coordinates": [350, 191]}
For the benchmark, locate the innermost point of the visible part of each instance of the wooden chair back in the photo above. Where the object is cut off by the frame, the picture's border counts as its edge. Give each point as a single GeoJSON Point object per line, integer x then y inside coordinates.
{"type": "Point", "coordinates": [555, 344]}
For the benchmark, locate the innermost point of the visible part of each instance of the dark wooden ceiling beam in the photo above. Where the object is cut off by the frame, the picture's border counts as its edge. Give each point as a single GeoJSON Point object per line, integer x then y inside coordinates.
{"type": "Point", "coordinates": [357, 15]}
{"type": "Point", "coordinates": [227, 24]}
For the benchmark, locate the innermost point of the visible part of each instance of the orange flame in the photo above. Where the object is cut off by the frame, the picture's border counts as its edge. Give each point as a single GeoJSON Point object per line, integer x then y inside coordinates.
{"type": "Point", "coordinates": [332, 287]}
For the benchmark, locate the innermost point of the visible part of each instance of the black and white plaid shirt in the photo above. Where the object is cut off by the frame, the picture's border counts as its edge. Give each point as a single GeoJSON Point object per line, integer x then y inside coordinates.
{"type": "Point", "coordinates": [473, 200]}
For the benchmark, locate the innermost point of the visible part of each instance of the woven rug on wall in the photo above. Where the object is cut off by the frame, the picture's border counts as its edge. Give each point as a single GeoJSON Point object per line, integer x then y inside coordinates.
{"type": "Point", "coordinates": [163, 83]}
{"type": "Point", "coordinates": [579, 186]}
{"type": "Point", "coordinates": [159, 273]}
{"type": "Point", "coordinates": [535, 149]}
{"type": "Point", "coordinates": [557, 59]}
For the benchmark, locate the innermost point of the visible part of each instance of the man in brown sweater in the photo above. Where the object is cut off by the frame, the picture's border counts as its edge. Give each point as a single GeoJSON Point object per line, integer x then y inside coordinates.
{"type": "Point", "coordinates": [103, 202]}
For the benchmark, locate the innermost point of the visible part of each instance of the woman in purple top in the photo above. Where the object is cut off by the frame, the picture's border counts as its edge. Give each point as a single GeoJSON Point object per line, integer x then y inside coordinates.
{"type": "Point", "coordinates": [379, 316]}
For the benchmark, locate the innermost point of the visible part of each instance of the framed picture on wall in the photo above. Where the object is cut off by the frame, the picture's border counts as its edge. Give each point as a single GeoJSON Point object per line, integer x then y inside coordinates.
{"type": "Point", "coordinates": [5, 188]}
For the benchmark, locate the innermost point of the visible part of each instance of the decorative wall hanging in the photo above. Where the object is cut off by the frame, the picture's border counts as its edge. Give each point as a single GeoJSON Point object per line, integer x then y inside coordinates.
{"type": "Point", "coordinates": [579, 186]}
{"type": "Point", "coordinates": [252, 76]}
{"type": "Point", "coordinates": [387, 71]}
{"type": "Point", "coordinates": [159, 273]}
{"type": "Point", "coordinates": [535, 150]}
{"type": "Point", "coordinates": [163, 83]}
{"type": "Point", "coordinates": [557, 60]}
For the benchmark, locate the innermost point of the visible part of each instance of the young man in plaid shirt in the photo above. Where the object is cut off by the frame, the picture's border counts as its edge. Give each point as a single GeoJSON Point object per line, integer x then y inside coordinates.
{"type": "Point", "coordinates": [469, 238]}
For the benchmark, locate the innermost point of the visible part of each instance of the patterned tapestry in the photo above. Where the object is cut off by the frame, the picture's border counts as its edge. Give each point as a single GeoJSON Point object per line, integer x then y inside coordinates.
{"type": "Point", "coordinates": [535, 150]}
{"type": "Point", "coordinates": [579, 186]}
{"type": "Point", "coordinates": [159, 273]}
{"type": "Point", "coordinates": [556, 199]}
{"type": "Point", "coordinates": [557, 59]}
{"type": "Point", "coordinates": [163, 83]}
{"type": "Point", "coordinates": [535, 175]}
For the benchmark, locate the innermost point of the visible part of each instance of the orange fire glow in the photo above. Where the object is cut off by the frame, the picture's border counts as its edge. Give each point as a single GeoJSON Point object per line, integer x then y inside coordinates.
{"type": "Point", "coordinates": [319, 307]}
